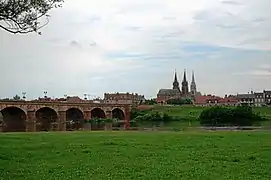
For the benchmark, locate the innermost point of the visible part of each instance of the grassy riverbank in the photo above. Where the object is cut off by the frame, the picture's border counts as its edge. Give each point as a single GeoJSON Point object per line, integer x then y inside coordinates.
{"type": "Point", "coordinates": [135, 155]}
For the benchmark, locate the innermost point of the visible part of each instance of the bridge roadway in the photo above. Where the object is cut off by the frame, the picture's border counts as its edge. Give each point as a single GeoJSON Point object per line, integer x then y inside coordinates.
{"type": "Point", "coordinates": [34, 116]}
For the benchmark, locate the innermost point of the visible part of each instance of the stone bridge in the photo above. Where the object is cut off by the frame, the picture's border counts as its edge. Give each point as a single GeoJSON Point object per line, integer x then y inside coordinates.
{"type": "Point", "coordinates": [32, 116]}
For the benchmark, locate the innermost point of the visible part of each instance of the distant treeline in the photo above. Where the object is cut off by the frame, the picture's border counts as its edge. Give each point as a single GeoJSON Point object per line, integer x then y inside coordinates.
{"type": "Point", "coordinates": [229, 116]}
{"type": "Point", "coordinates": [213, 116]}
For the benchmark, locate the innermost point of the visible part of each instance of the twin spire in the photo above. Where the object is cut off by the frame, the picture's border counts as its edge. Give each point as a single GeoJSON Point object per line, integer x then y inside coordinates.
{"type": "Point", "coordinates": [185, 89]}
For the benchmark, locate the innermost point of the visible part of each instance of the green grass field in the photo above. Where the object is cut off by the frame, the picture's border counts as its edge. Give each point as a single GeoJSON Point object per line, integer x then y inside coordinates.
{"type": "Point", "coordinates": [135, 155]}
{"type": "Point", "coordinates": [191, 113]}
{"type": "Point", "coordinates": [194, 112]}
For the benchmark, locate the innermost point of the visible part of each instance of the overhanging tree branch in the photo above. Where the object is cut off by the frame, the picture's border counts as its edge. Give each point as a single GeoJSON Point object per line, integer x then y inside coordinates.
{"type": "Point", "coordinates": [25, 16]}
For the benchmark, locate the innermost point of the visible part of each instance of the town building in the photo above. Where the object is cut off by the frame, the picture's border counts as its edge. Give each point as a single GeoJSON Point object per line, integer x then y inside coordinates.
{"type": "Point", "coordinates": [259, 99]}
{"type": "Point", "coordinates": [212, 100]}
{"type": "Point", "coordinates": [124, 98]}
{"type": "Point", "coordinates": [246, 99]}
{"type": "Point", "coordinates": [267, 97]}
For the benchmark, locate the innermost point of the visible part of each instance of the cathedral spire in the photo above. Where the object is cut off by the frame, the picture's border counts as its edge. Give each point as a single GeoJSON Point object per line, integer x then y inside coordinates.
{"type": "Point", "coordinates": [185, 90]}
{"type": "Point", "coordinates": [175, 77]}
{"type": "Point", "coordinates": [175, 82]}
{"type": "Point", "coordinates": [193, 77]}
{"type": "Point", "coordinates": [184, 76]}
{"type": "Point", "coordinates": [193, 86]}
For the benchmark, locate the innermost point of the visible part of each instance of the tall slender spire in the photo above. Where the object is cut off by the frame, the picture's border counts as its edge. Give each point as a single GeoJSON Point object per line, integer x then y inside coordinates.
{"type": "Point", "coordinates": [193, 77]}
{"type": "Point", "coordinates": [175, 77]}
{"type": "Point", "coordinates": [185, 90]}
{"type": "Point", "coordinates": [193, 86]}
{"type": "Point", "coordinates": [175, 82]}
{"type": "Point", "coordinates": [184, 76]}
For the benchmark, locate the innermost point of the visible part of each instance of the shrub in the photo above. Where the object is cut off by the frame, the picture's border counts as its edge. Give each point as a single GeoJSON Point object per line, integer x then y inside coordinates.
{"type": "Point", "coordinates": [228, 116]}
{"type": "Point", "coordinates": [179, 101]}
{"type": "Point", "coordinates": [135, 113]}
{"type": "Point", "coordinates": [154, 118]}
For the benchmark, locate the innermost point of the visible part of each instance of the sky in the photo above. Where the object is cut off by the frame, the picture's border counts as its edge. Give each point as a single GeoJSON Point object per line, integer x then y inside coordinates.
{"type": "Point", "coordinates": [92, 47]}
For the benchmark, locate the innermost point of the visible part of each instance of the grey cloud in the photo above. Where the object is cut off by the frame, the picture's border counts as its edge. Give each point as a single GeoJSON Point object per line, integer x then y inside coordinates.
{"type": "Point", "coordinates": [254, 73]}
{"type": "Point", "coordinates": [220, 19]}
{"type": "Point", "coordinates": [133, 28]}
{"type": "Point", "coordinates": [259, 20]}
{"type": "Point", "coordinates": [56, 40]}
{"type": "Point", "coordinates": [266, 69]}
{"type": "Point", "coordinates": [74, 43]}
{"type": "Point", "coordinates": [202, 15]}
{"type": "Point", "coordinates": [256, 40]}
{"type": "Point", "coordinates": [173, 34]}
{"type": "Point", "coordinates": [93, 44]}
{"type": "Point", "coordinates": [245, 28]}
{"type": "Point", "coordinates": [231, 2]}
{"type": "Point", "coordinates": [227, 26]}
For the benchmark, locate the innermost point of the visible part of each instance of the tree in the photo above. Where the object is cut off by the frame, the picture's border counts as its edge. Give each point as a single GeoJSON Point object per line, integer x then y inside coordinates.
{"type": "Point", "coordinates": [150, 102]}
{"type": "Point", "coordinates": [16, 98]}
{"type": "Point", "coordinates": [229, 116]}
{"type": "Point", "coordinates": [180, 101]}
{"type": "Point", "coordinates": [25, 16]}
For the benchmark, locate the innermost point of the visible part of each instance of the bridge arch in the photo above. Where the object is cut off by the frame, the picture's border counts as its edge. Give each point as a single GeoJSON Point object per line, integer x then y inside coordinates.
{"type": "Point", "coordinates": [118, 114]}
{"type": "Point", "coordinates": [13, 119]}
{"type": "Point", "coordinates": [46, 119]}
{"type": "Point", "coordinates": [74, 119]}
{"type": "Point", "coordinates": [97, 113]}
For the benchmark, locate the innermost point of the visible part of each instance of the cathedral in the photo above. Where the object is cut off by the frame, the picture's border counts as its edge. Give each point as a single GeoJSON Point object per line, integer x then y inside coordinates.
{"type": "Point", "coordinates": [177, 93]}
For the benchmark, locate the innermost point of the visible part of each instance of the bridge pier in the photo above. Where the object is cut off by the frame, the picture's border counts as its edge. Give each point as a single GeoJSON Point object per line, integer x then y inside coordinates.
{"type": "Point", "coordinates": [108, 114]}
{"type": "Point", "coordinates": [127, 118]}
{"type": "Point", "coordinates": [62, 121]}
{"type": "Point", "coordinates": [87, 117]}
{"type": "Point", "coordinates": [30, 121]}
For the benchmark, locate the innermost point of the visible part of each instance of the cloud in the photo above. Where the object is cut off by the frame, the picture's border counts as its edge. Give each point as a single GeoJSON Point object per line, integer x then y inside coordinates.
{"type": "Point", "coordinates": [75, 43]}
{"type": "Point", "coordinates": [99, 46]}
{"type": "Point", "coordinates": [231, 2]}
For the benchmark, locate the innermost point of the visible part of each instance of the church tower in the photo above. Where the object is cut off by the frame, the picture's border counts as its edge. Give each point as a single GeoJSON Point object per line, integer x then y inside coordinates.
{"type": "Point", "coordinates": [193, 86]}
{"type": "Point", "coordinates": [176, 82]}
{"type": "Point", "coordinates": [185, 90]}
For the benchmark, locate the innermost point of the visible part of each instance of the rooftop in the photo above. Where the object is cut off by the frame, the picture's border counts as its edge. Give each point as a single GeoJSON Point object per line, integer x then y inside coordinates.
{"type": "Point", "coordinates": [168, 92]}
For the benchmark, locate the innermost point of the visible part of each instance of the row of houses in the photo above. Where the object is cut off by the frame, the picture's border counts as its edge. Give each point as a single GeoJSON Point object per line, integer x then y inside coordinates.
{"type": "Point", "coordinates": [257, 99]}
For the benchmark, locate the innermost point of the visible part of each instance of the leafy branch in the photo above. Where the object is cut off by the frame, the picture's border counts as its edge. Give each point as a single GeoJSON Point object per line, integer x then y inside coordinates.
{"type": "Point", "coordinates": [25, 16]}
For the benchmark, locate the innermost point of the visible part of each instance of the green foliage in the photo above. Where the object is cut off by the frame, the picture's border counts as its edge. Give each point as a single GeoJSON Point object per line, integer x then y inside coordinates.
{"type": "Point", "coordinates": [16, 97]}
{"type": "Point", "coordinates": [229, 116]}
{"type": "Point", "coordinates": [150, 102]}
{"type": "Point", "coordinates": [153, 117]}
{"type": "Point", "coordinates": [100, 120]}
{"type": "Point", "coordinates": [24, 16]}
{"type": "Point", "coordinates": [138, 155]}
{"type": "Point", "coordinates": [179, 101]}
{"type": "Point", "coordinates": [184, 116]}
{"type": "Point", "coordinates": [133, 123]}
{"type": "Point", "coordinates": [135, 113]}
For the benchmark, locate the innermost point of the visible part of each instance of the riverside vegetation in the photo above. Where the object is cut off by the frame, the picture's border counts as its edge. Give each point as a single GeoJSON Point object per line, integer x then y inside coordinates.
{"type": "Point", "coordinates": [183, 117]}
{"type": "Point", "coordinates": [201, 116]}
